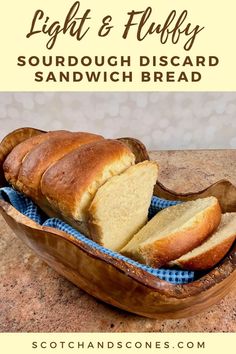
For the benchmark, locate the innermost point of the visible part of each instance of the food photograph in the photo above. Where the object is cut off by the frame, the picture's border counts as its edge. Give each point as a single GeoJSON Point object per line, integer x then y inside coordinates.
{"type": "Point", "coordinates": [118, 212]}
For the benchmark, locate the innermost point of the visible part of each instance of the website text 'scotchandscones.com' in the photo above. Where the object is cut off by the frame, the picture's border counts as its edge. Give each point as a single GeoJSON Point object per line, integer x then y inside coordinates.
{"type": "Point", "coordinates": [122, 344]}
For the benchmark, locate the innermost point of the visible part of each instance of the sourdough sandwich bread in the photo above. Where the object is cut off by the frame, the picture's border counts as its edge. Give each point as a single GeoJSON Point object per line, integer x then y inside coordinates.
{"type": "Point", "coordinates": [100, 187]}
{"type": "Point", "coordinates": [66, 173]}
{"type": "Point", "coordinates": [71, 183]}
{"type": "Point", "coordinates": [35, 149]}
{"type": "Point", "coordinates": [174, 231]}
{"type": "Point", "coordinates": [210, 252]}
{"type": "Point", "coordinates": [44, 155]}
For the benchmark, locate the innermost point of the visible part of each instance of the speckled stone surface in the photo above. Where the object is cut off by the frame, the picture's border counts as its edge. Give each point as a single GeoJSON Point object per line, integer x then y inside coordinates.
{"type": "Point", "coordinates": [34, 298]}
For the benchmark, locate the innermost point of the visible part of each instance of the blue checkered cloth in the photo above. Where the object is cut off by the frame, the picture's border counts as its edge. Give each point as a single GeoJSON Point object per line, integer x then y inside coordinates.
{"type": "Point", "coordinates": [25, 206]}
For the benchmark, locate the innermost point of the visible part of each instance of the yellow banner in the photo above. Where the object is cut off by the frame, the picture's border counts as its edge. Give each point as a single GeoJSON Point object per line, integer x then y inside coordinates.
{"type": "Point", "coordinates": [155, 45]}
{"type": "Point", "coordinates": [184, 343]}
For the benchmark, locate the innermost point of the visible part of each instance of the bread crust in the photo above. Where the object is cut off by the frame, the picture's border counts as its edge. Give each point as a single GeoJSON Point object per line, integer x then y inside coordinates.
{"type": "Point", "coordinates": [160, 252]}
{"type": "Point", "coordinates": [13, 162]}
{"type": "Point", "coordinates": [208, 259]}
{"type": "Point", "coordinates": [41, 157]}
{"type": "Point", "coordinates": [68, 179]}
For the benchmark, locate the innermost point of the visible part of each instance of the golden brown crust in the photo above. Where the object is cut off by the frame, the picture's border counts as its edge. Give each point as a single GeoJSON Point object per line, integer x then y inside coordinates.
{"type": "Point", "coordinates": [164, 250]}
{"type": "Point", "coordinates": [208, 259]}
{"type": "Point", "coordinates": [13, 162]}
{"type": "Point", "coordinates": [66, 181]}
{"type": "Point", "coordinates": [10, 141]}
{"type": "Point", "coordinates": [41, 157]}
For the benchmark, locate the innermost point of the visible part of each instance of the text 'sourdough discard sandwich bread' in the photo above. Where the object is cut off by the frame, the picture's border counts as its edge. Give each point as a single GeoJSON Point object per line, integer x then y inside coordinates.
{"type": "Point", "coordinates": [70, 175]}
{"type": "Point", "coordinates": [174, 231]}
{"type": "Point", "coordinates": [210, 252]}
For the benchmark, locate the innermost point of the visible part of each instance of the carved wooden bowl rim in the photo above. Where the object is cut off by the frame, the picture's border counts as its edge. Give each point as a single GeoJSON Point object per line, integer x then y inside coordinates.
{"type": "Point", "coordinates": [216, 275]}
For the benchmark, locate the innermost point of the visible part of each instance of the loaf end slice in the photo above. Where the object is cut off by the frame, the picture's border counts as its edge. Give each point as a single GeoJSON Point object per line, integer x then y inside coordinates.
{"type": "Point", "coordinates": [174, 231]}
{"type": "Point", "coordinates": [13, 161]}
{"type": "Point", "coordinates": [120, 207]}
{"type": "Point", "coordinates": [209, 253]}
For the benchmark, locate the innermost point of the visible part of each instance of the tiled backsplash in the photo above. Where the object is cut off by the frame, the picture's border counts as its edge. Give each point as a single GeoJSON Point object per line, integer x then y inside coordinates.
{"type": "Point", "coordinates": [160, 120]}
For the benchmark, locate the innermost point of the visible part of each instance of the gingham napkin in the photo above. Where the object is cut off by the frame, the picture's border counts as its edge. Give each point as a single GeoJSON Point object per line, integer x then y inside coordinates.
{"type": "Point", "coordinates": [25, 206]}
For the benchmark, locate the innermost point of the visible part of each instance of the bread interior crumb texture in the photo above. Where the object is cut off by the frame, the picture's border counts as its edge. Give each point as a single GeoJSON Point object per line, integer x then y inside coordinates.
{"type": "Point", "coordinates": [122, 204]}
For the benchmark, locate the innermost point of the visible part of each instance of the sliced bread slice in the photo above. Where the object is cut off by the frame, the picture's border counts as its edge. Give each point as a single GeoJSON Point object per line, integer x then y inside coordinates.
{"type": "Point", "coordinates": [174, 231]}
{"type": "Point", "coordinates": [213, 249]}
{"type": "Point", "coordinates": [120, 207]}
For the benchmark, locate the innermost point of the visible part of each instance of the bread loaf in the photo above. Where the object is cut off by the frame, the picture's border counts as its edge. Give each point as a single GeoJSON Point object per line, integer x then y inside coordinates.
{"type": "Point", "coordinates": [63, 173]}
{"type": "Point", "coordinates": [210, 252]}
{"type": "Point", "coordinates": [174, 231]}
{"type": "Point", "coordinates": [42, 156]}
{"type": "Point", "coordinates": [71, 183]}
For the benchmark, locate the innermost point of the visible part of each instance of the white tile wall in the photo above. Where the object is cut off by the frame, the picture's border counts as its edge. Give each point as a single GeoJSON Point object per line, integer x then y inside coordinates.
{"type": "Point", "coordinates": [160, 120]}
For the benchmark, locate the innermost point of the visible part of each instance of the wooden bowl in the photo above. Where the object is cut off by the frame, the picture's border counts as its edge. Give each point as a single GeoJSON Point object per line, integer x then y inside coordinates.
{"type": "Point", "coordinates": [115, 281]}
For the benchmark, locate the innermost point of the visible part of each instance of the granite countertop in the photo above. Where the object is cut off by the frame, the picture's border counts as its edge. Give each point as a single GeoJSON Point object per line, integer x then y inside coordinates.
{"type": "Point", "coordinates": [34, 298]}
